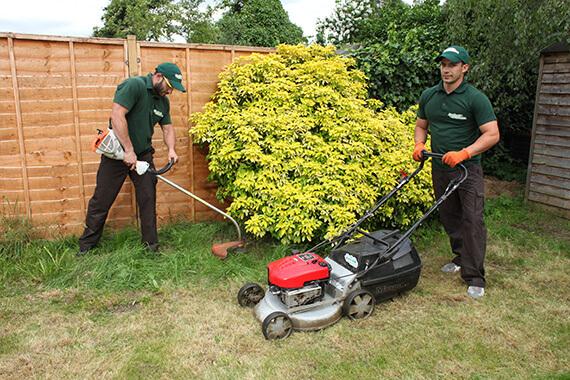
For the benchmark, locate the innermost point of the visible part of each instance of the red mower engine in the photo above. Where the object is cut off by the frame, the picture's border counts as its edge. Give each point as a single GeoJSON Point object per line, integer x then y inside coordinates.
{"type": "Point", "coordinates": [298, 279]}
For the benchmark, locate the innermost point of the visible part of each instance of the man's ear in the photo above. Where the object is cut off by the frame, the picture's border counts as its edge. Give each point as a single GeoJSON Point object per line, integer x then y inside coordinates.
{"type": "Point", "coordinates": [465, 68]}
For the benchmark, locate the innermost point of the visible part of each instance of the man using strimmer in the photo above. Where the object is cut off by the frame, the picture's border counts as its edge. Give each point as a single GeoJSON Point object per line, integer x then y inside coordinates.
{"type": "Point", "coordinates": [138, 105]}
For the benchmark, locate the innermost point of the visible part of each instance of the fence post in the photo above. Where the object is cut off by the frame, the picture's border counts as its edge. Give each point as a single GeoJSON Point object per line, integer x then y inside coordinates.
{"type": "Point", "coordinates": [132, 57]}
{"type": "Point", "coordinates": [133, 70]}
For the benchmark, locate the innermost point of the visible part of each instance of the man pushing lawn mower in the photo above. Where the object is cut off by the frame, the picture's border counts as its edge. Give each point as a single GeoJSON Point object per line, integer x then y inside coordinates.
{"type": "Point", "coordinates": [462, 125]}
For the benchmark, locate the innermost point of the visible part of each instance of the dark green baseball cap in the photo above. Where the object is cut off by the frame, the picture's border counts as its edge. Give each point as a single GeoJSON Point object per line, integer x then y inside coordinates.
{"type": "Point", "coordinates": [455, 54]}
{"type": "Point", "coordinates": [172, 73]}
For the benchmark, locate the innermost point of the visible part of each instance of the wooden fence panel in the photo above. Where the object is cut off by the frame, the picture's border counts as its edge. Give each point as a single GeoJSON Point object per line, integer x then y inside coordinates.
{"type": "Point", "coordinates": [549, 161]}
{"type": "Point", "coordinates": [55, 92]}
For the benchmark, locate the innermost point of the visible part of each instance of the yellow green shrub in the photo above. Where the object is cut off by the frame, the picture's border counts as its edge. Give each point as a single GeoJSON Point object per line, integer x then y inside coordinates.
{"type": "Point", "coordinates": [300, 150]}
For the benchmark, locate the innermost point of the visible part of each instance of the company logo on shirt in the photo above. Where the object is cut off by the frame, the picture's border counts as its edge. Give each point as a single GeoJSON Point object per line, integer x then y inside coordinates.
{"type": "Point", "coordinates": [456, 116]}
{"type": "Point", "coordinates": [157, 113]}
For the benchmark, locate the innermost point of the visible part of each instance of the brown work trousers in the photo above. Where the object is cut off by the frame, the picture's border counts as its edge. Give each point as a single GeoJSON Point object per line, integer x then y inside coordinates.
{"type": "Point", "coordinates": [110, 178]}
{"type": "Point", "coordinates": [462, 218]}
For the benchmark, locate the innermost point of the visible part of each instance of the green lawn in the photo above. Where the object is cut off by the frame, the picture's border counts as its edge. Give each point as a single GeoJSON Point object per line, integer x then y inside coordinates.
{"type": "Point", "coordinates": [119, 313]}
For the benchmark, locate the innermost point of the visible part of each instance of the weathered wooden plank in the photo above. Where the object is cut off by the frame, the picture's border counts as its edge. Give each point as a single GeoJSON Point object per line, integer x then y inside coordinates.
{"type": "Point", "coordinates": [549, 200]}
{"type": "Point", "coordinates": [550, 190]}
{"type": "Point", "coordinates": [555, 100]}
{"type": "Point", "coordinates": [553, 58]}
{"type": "Point", "coordinates": [548, 88]}
{"type": "Point", "coordinates": [552, 150]}
{"type": "Point", "coordinates": [549, 171]}
{"type": "Point", "coordinates": [553, 78]}
{"type": "Point", "coordinates": [553, 140]}
{"type": "Point", "coordinates": [563, 184]}
{"type": "Point", "coordinates": [554, 110]}
{"type": "Point", "coordinates": [552, 130]}
{"type": "Point", "coordinates": [556, 162]}
{"type": "Point", "coordinates": [562, 67]}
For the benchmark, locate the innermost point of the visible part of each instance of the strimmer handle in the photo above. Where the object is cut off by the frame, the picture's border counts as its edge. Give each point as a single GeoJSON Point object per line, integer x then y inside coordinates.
{"type": "Point", "coordinates": [162, 170]}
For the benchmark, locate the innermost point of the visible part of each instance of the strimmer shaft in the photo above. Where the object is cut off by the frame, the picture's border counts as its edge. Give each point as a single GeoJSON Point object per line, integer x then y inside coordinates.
{"type": "Point", "coordinates": [169, 182]}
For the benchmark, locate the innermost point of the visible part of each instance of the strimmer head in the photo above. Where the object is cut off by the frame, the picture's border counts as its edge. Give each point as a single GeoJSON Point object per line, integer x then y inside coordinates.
{"type": "Point", "coordinates": [221, 249]}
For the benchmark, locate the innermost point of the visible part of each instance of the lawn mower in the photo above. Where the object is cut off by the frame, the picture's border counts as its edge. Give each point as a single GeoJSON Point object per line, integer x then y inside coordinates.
{"type": "Point", "coordinates": [308, 292]}
{"type": "Point", "coordinates": [107, 144]}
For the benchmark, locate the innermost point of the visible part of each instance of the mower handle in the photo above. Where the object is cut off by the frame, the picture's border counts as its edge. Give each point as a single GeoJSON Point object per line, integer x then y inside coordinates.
{"type": "Point", "coordinates": [427, 154]}
{"type": "Point", "coordinates": [162, 170]}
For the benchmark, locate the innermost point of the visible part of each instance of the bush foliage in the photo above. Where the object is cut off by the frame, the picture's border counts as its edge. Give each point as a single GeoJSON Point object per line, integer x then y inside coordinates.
{"type": "Point", "coordinates": [301, 151]}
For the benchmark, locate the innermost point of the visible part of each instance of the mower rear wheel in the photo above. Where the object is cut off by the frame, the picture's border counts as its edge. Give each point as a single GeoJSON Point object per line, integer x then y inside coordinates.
{"type": "Point", "coordinates": [359, 304]}
{"type": "Point", "coordinates": [277, 325]}
{"type": "Point", "coordinates": [250, 294]}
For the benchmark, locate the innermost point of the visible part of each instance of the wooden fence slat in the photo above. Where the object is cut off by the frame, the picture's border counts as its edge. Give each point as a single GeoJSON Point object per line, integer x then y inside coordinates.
{"type": "Point", "coordinates": [20, 128]}
{"type": "Point", "coordinates": [77, 128]}
{"type": "Point", "coordinates": [190, 155]}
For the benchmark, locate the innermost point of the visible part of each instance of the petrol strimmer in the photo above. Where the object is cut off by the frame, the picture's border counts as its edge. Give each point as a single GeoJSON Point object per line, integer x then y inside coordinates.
{"type": "Point", "coordinates": [308, 292]}
{"type": "Point", "coordinates": [109, 145]}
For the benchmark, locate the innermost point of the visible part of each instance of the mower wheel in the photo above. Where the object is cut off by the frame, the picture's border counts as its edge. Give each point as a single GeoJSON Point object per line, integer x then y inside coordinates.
{"type": "Point", "coordinates": [277, 325]}
{"type": "Point", "coordinates": [359, 304]}
{"type": "Point", "coordinates": [250, 294]}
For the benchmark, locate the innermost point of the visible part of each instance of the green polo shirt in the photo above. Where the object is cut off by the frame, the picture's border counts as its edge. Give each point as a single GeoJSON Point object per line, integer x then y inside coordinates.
{"type": "Point", "coordinates": [146, 108]}
{"type": "Point", "coordinates": [454, 119]}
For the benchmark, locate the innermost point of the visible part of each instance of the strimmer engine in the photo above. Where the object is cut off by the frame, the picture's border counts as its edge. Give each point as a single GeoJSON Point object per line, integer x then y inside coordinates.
{"type": "Point", "coordinates": [298, 279]}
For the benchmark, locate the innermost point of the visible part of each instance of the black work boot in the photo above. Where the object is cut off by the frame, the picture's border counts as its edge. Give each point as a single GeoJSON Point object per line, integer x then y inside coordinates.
{"type": "Point", "coordinates": [82, 252]}
{"type": "Point", "coordinates": [153, 248]}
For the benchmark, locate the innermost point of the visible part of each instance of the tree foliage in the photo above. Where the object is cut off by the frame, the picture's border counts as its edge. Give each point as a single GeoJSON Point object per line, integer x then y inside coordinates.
{"type": "Point", "coordinates": [159, 20]}
{"type": "Point", "coordinates": [394, 43]}
{"type": "Point", "coordinates": [257, 23]}
{"type": "Point", "coordinates": [195, 25]}
{"type": "Point", "coordinates": [146, 19]}
{"type": "Point", "coordinates": [301, 151]}
{"type": "Point", "coordinates": [505, 38]}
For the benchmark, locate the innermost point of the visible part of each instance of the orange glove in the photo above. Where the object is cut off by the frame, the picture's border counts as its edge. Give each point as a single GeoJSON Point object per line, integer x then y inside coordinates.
{"type": "Point", "coordinates": [417, 155]}
{"type": "Point", "coordinates": [454, 158]}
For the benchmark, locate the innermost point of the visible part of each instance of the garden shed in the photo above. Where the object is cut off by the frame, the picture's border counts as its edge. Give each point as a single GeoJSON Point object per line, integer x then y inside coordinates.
{"type": "Point", "coordinates": [548, 177]}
